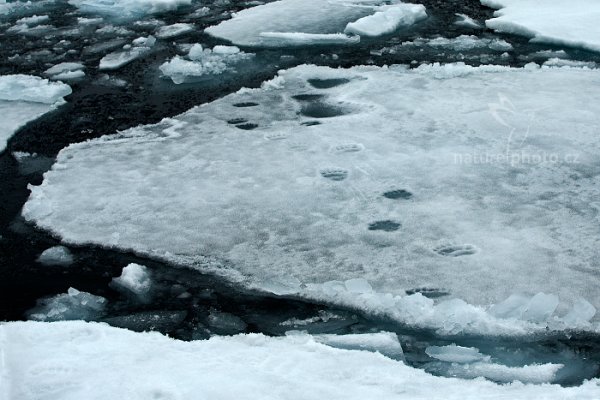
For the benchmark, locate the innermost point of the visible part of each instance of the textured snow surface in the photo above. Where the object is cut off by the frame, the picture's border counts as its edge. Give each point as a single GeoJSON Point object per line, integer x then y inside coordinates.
{"type": "Point", "coordinates": [301, 22]}
{"type": "Point", "coordinates": [562, 22]}
{"type": "Point", "coordinates": [24, 98]}
{"type": "Point", "coordinates": [78, 360]}
{"type": "Point", "coordinates": [392, 188]}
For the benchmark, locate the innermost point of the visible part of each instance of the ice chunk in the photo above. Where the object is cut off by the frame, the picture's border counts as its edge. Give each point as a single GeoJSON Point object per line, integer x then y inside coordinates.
{"type": "Point", "coordinates": [66, 71]}
{"type": "Point", "coordinates": [358, 285]}
{"type": "Point", "coordinates": [276, 203]}
{"type": "Point", "coordinates": [24, 98]}
{"type": "Point", "coordinates": [134, 278]}
{"type": "Point", "coordinates": [203, 62]}
{"type": "Point", "coordinates": [463, 43]}
{"type": "Point", "coordinates": [390, 19]}
{"type": "Point", "coordinates": [68, 358]}
{"type": "Point", "coordinates": [455, 354]}
{"type": "Point", "coordinates": [299, 22]}
{"type": "Point", "coordinates": [127, 9]}
{"type": "Point", "coordinates": [73, 305]}
{"type": "Point", "coordinates": [32, 88]}
{"type": "Point", "coordinates": [169, 31]}
{"type": "Point", "coordinates": [57, 255]}
{"type": "Point", "coordinates": [540, 307]}
{"type": "Point", "coordinates": [33, 20]}
{"type": "Point", "coordinates": [559, 62]}
{"type": "Point", "coordinates": [465, 20]}
{"type": "Point", "coordinates": [570, 23]}
{"type": "Point", "coordinates": [535, 373]}
{"type": "Point", "coordinates": [580, 315]}
{"type": "Point", "coordinates": [225, 323]}
{"type": "Point", "coordinates": [386, 343]}
{"type": "Point", "coordinates": [116, 60]}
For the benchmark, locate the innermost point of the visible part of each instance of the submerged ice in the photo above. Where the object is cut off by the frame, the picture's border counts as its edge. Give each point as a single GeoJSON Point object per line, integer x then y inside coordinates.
{"type": "Point", "coordinates": [291, 205]}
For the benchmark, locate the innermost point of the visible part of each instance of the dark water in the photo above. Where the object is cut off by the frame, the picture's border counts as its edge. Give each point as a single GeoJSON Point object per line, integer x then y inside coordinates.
{"type": "Point", "coordinates": [185, 300]}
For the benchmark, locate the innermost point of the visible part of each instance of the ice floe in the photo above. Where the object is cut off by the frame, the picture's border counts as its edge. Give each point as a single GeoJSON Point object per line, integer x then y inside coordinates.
{"type": "Point", "coordinates": [65, 359]}
{"type": "Point", "coordinates": [299, 22]}
{"type": "Point", "coordinates": [284, 188]}
{"type": "Point", "coordinates": [570, 23]}
{"type": "Point", "coordinates": [66, 71]}
{"type": "Point", "coordinates": [139, 48]}
{"type": "Point", "coordinates": [24, 98]}
{"type": "Point", "coordinates": [57, 255]}
{"type": "Point", "coordinates": [127, 9]}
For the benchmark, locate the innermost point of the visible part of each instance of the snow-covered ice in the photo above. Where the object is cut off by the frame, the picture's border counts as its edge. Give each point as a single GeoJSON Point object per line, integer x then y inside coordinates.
{"type": "Point", "coordinates": [127, 9]}
{"type": "Point", "coordinates": [73, 305]}
{"type": "Point", "coordinates": [134, 278]}
{"type": "Point", "coordinates": [24, 98]}
{"type": "Point", "coordinates": [57, 255]}
{"type": "Point", "coordinates": [140, 47]}
{"type": "Point", "coordinates": [299, 22]}
{"type": "Point", "coordinates": [65, 71]}
{"type": "Point", "coordinates": [470, 181]}
{"type": "Point", "coordinates": [455, 354]}
{"type": "Point", "coordinates": [170, 31]}
{"type": "Point", "coordinates": [75, 360]}
{"type": "Point", "coordinates": [388, 20]}
{"type": "Point", "coordinates": [570, 23]}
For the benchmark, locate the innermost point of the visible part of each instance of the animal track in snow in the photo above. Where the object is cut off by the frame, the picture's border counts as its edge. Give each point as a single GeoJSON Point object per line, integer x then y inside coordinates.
{"type": "Point", "coordinates": [327, 83]}
{"type": "Point", "coordinates": [432, 293]}
{"type": "Point", "coordinates": [456, 250]}
{"type": "Point", "coordinates": [334, 174]}
{"type": "Point", "coordinates": [308, 97]}
{"type": "Point", "coordinates": [247, 126]}
{"type": "Point", "coordinates": [276, 136]}
{"type": "Point", "coordinates": [348, 148]}
{"type": "Point", "coordinates": [386, 226]}
{"type": "Point", "coordinates": [397, 194]}
{"type": "Point", "coordinates": [245, 104]}
{"type": "Point", "coordinates": [237, 121]}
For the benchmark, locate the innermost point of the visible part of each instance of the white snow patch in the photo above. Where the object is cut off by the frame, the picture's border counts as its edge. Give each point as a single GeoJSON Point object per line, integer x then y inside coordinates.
{"type": "Point", "coordinates": [65, 359]}
{"type": "Point", "coordinates": [570, 23]}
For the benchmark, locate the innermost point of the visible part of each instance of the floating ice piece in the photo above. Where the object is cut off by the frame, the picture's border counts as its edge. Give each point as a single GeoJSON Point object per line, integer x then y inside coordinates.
{"type": "Point", "coordinates": [455, 354]}
{"type": "Point", "coordinates": [72, 357]}
{"type": "Point", "coordinates": [463, 43]}
{"type": "Point", "coordinates": [24, 98]}
{"type": "Point", "coordinates": [127, 9]}
{"type": "Point", "coordinates": [465, 20]}
{"type": "Point", "coordinates": [390, 19]}
{"type": "Point", "coordinates": [570, 23]}
{"type": "Point", "coordinates": [169, 31]}
{"type": "Point", "coordinates": [134, 278]}
{"type": "Point", "coordinates": [32, 89]}
{"type": "Point", "coordinates": [73, 305]}
{"type": "Point", "coordinates": [33, 20]}
{"type": "Point", "coordinates": [116, 60]}
{"type": "Point", "coordinates": [57, 255]}
{"type": "Point", "coordinates": [66, 71]}
{"type": "Point", "coordinates": [534, 374]}
{"type": "Point", "coordinates": [298, 22]}
{"type": "Point", "coordinates": [203, 62]}
{"type": "Point", "coordinates": [559, 62]}
{"type": "Point", "coordinates": [225, 323]}
{"type": "Point", "coordinates": [386, 343]}
{"type": "Point", "coordinates": [276, 39]}
{"type": "Point", "coordinates": [276, 203]}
